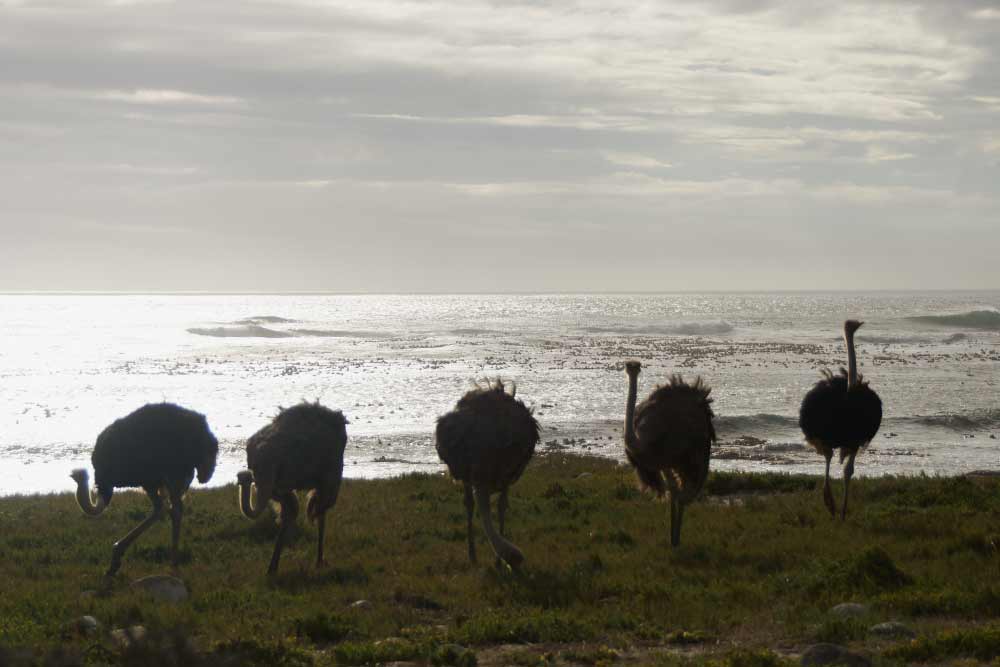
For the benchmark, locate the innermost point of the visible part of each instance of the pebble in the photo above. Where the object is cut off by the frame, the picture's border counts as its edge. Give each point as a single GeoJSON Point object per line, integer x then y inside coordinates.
{"type": "Point", "coordinates": [162, 587]}
{"type": "Point", "coordinates": [831, 654]}
{"type": "Point", "coordinates": [126, 637]}
{"type": "Point", "coordinates": [361, 604]}
{"type": "Point", "coordinates": [849, 610]}
{"type": "Point", "coordinates": [892, 629]}
{"type": "Point", "coordinates": [85, 626]}
{"type": "Point", "coordinates": [584, 475]}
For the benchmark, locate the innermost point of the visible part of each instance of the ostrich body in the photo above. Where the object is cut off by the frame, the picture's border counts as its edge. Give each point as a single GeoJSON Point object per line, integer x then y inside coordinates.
{"type": "Point", "coordinates": [841, 412]}
{"type": "Point", "coordinates": [157, 448]}
{"type": "Point", "coordinates": [486, 442]}
{"type": "Point", "coordinates": [668, 440]}
{"type": "Point", "coordinates": [301, 449]}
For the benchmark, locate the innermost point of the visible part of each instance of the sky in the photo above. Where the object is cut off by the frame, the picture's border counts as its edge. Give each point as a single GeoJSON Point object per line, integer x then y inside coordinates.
{"type": "Point", "coordinates": [469, 145]}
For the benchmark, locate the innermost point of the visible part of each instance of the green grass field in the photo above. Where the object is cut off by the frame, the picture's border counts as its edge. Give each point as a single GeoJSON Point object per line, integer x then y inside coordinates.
{"type": "Point", "coordinates": [760, 565]}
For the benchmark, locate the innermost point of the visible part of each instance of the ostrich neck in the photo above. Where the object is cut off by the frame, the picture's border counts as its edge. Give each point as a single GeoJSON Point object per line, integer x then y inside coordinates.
{"type": "Point", "coordinates": [633, 388]}
{"type": "Point", "coordinates": [248, 507]}
{"type": "Point", "coordinates": [504, 549]}
{"type": "Point", "coordinates": [90, 502]}
{"type": "Point", "coordinates": [852, 361]}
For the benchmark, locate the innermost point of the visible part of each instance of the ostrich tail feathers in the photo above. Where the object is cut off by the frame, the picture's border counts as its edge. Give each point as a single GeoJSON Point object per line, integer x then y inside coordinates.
{"type": "Point", "coordinates": [649, 479]}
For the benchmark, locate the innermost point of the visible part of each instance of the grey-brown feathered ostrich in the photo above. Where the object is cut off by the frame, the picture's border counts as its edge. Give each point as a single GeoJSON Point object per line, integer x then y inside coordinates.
{"type": "Point", "coordinates": [301, 449]}
{"type": "Point", "coordinates": [668, 440]}
{"type": "Point", "coordinates": [841, 412]}
{"type": "Point", "coordinates": [486, 442]}
{"type": "Point", "coordinates": [157, 448]}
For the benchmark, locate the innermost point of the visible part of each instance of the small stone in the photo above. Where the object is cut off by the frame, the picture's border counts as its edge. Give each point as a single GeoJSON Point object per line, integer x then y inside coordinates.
{"type": "Point", "coordinates": [892, 629]}
{"type": "Point", "coordinates": [162, 587]}
{"type": "Point", "coordinates": [361, 604]}
{"type": "Point", "coordinates": [126, 637]}
{"type": "Point", "coordinates": [831, 654]}
{"type": "Point", "coordinates": [584, 475]}
{"type": "Point", "coordinates": [85, 626]}
{"type": "Point", "coordinates": [849, 610]}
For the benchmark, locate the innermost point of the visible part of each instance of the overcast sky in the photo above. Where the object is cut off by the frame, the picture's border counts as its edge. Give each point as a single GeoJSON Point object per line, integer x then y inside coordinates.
{"type": "Point", "coordinates": [465, 145]}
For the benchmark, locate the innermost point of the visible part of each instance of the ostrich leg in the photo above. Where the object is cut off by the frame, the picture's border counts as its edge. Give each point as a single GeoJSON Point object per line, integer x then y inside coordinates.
{"type": "Point", "coordinates": [176, 512]}
{"type": "Point", "coordinates": [289, 511]}
{"type": "Point", "coordinates": [469, 509]}
{"type": "Point", "coordinates": [122, 545]}
{"type": "Point", "coordinates": [848, 474]}
{"type": "Point", "coordinates": [827, 491]}
{"type": "Point", "coordinates": [501, 515]}
{"type": "Point", "coordinates": [676, 513]}
{"type": "Point", "coordinates": [328, 499]}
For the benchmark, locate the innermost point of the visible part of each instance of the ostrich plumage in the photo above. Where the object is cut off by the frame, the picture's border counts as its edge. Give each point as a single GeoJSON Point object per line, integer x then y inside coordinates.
{"type": "Point", "coordinates": [668, 440]}
{"type": "Point", "coordinates": [841, 412]}
{"type": "Point", "coordinates": [487, 442]}
{"type": "Point", "coordinates": [301, 449]}
{"type": "Point", "coordinates": [157, 448]}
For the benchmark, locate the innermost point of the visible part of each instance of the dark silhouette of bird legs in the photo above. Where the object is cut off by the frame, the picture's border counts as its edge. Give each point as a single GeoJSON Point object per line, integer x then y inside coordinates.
{"type": "Point", "coordinates": [848, 474]}
{"type": "Point", "coordinates": [827, 491]}
{"type": "Point", "coordinates": [326, 501]}
{"type": "Point", "coordinates": [122, 545]}
{"type": "Point", "coordinates": [176, 512]}
{"type": "Point", "coordinates": [501, 547]}
{"type": "Point", "coordinates": [289, 511]}
{"type": "Point", "coordinates": [469, 510]}
{"type": "Point", "coordinates": [676, 515]}
{"type": "Point", "coordinates": [501, 514]}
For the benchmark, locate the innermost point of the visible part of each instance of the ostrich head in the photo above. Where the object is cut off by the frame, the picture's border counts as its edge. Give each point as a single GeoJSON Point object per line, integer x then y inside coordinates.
{"type": "Point", "coordinates": [632, 368]}
{"type": "Point", "coordinates": [850, 326]}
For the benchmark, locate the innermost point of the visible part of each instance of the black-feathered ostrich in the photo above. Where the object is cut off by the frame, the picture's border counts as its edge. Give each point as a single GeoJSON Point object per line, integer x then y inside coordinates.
{"type": "Point", "coordinates": [668, 440]}
{"type": "Point", "coordinates": [841, 412]}
{"type": "Point", "coordinates": [486, 442]}
{"type": "Point", "coordinates": [301, 449]}
{"type": "Point", "coordinates": [157, 448]}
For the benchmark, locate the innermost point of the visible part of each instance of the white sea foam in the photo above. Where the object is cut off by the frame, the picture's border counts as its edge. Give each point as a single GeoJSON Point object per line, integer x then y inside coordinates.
{"type": "Point", "coordinates": [72, 364]}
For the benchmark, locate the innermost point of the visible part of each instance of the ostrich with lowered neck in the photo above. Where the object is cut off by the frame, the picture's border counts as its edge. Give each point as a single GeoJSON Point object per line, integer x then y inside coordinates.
{"type": "Point", "coordinates": [302, 448]}
{"type": "Point", "coordinates": [841, 412]}
{"type": "Point", "coordinates": [668, 440]}
{"type": "Point", "coordinates": [157, 448]}
{"type": "Point", "coordinates": [486, 442]}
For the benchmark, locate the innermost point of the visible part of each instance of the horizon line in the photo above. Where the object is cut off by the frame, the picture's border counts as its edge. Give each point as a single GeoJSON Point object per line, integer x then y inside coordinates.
{"type": "Point", "coordinates": [483, 293]}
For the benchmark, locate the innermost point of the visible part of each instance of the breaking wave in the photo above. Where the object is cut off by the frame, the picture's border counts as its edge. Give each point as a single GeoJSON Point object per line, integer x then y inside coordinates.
{"type": "Point", "coordinates": [264, 319]}
{"type": "Point", "coordinates": [759, 423]}
{"type": "Point", "coordinates": [243, 331]}
{"type": "Point", "coordinates": [988, 320]}
{"type": "Point", "coordinates": [987, 419]}
{"type": "Point", "coordinates": [679, 329]}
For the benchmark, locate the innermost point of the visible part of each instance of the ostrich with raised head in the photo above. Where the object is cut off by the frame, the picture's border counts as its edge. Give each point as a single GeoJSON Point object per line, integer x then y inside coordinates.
{"type": "Point", "coordinates": [668, 440]}
{"type": "Point", "coordinates": [301, 449]}
{"type": "Point", "coordinates": [487, 442]}
{"type": "Point", "coordinates": [841, 412]}
{"type": "Point", "coordinates": [157, 448]}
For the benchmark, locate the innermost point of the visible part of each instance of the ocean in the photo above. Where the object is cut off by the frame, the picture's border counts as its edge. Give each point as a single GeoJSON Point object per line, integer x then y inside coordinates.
{"type": "Point", "coordinates": [71, 364]}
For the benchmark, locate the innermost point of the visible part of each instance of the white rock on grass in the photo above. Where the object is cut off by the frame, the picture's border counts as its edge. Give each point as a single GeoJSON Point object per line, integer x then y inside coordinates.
{"type": "Point", "coordinates": [126, 637]}
{"type": "Point", "coordinates": [849, 610]}
{"type": "Point", "coordinates": [892, 629]}
{"type": "Point", "coordinates": [162, 587]}
{"type": "Point", "coordinates": [361, 604]}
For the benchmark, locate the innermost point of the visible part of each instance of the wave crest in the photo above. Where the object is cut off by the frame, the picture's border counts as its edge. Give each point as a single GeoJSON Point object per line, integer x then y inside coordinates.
{"type": "Point", "coordinates": [976, 319]}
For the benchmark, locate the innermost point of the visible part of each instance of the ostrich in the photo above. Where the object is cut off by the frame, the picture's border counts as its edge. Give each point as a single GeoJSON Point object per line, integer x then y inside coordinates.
{"type": "Point", "coordinates": [302, 448]}
{"type": "Point", "coordinates": [668, 440]}
{"type": "Point", "coordinates": [841, 412]}
{"type": "Point", "coordinates": [158, 448]}
{"type": "Point", "coordinates": [486, 442]}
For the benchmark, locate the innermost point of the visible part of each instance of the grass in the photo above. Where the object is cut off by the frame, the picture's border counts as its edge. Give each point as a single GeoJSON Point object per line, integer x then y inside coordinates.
{"type": "Point", "coordinates": [600, 579]}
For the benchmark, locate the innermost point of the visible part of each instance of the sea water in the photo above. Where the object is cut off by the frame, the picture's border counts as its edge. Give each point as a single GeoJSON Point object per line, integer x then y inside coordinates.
{"type": "Point", "coordinates": [71, 364]}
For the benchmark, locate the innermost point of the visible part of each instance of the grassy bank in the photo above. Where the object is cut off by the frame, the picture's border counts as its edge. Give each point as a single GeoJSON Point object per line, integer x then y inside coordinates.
{"type": "Point", "coordinates": [760, 567]}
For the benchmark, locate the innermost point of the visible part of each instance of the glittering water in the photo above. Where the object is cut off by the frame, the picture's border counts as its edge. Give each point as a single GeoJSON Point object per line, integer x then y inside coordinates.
{"type": "Point", "coordinates": [69, 365]}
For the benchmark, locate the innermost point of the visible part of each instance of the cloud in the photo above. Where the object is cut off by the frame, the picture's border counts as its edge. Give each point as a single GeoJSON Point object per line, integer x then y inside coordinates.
{"type": "Point", "coordinates": [155, 97]}
{"type": "Point", "coordinates": [634, 160]}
